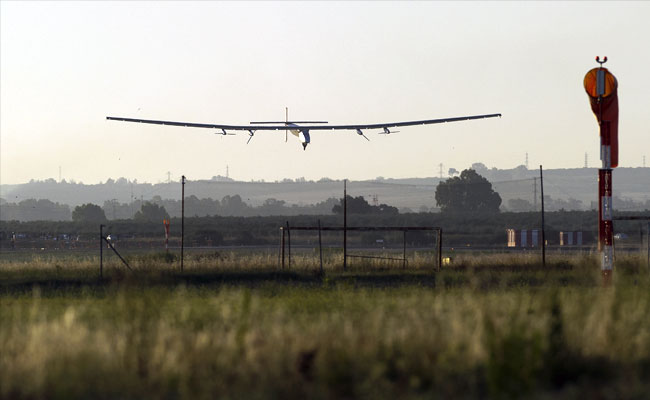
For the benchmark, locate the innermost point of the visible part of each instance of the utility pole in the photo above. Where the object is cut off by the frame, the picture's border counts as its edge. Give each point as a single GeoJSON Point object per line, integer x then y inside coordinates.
{"type": "Point", "coordinates": [586, 160]}
{"type": "Point", "coordinates": [182, 218]}
{"type": "Point", "coordinates": [101, 251]}
{"type": "Point", "coordinates": [535, 193]}
{"type": "Point", "coordinates": [132, 212]}
{"type": "Point", "coordinates": [440, 165]}
{"type": "Point", "coordinates": [541, 184]}
{"type": "Point", "coordinates": [320, 248]}
{"type": "Point", "coordinates": [345, 224]}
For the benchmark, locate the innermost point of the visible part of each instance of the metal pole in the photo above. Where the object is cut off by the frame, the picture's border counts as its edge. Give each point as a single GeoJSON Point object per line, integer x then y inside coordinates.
{"type": "Point", "coordinates": [605, 220]}
{"type": "Point", "coordinates": [439, 248]}
{"type": "Point", "coordinates": [534, 193]}
{"type": "Point", "coordinates": [282, 229]}
{"type": "Point", "coordinates": [320, 247]}
{"type": "Point", "coordinates": [118, 254]}
{"type": "Point", "coordinates": [345, 224]}
{"type": "Point", "coordinates": [101, 251]}
{"type": "Point", "coordinates": [182, 219]}
{"type": "Point", "coordinates": [280, 249]}
{"type": "Point", "coordinates": [289, 242]}
{"type": "Point", "coordinates": [647, 238]}
{"type": "Point", "coordinates": [404, 250]}
{"type": "Point", "coordinates": [605, 207]}
{"type": "Point", "coordinates": [541, 185]}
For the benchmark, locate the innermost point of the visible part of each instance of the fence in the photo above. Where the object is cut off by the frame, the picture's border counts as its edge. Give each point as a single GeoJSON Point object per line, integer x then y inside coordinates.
{"type": "Point", "coordinates": [285, 253]}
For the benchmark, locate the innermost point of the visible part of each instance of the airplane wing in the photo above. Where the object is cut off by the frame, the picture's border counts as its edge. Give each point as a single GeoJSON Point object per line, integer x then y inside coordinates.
{"type": "Point", "coordinates": [261, 127]}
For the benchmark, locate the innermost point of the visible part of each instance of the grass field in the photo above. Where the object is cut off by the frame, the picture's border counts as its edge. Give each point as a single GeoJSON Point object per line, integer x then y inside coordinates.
{"type": "Point", "coordinates": [497, 326]}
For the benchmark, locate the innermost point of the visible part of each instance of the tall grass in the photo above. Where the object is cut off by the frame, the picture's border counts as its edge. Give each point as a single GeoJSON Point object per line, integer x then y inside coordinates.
{"type": "Point", "coordinates": [489, 329]}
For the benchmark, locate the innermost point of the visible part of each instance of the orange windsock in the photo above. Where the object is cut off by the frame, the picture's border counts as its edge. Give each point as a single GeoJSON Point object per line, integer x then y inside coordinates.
{"type": "Point", "coordinates": [602, 88]}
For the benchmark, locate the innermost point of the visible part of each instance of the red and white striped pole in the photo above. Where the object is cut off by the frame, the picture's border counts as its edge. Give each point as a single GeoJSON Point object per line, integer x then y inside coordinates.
{"type": "Point", "coordinates": [166, 223]}
{"type": "Point", "coordinates": [605, 226]}
{"type": "Point", "coordinates": [601, 86]}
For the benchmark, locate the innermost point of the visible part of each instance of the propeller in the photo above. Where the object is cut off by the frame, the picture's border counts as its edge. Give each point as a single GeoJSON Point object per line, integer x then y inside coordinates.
{"type": "Point", "coordinates": [251, 133]}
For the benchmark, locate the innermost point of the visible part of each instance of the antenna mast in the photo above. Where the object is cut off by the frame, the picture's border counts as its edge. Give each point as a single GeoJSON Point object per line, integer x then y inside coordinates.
{"type": "Point", "coordinates": [526, 160]}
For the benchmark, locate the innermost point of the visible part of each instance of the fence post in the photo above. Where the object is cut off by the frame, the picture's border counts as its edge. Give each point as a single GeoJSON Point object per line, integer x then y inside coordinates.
{"type": "Point", "coordinates": [345, 224]}
{"type": "Point", "coordinates": [541, 184]}
{"type": "Point", "coordinates": [404, 249]}
{"type": "Point", "coordinates": [280, 249]}
{"type": "Point", "coordinates": [101, 251]}
{"type": "Point", "coordinates": [182, 218]}
{"type": "Point", "coordinates": [439, 248]}
{"type": "Point", "coordinates": [320, 248]}
{"type": "Point", "coordinates": [282, 229]}
{"type": "Point", "coordinates": [289, 243]}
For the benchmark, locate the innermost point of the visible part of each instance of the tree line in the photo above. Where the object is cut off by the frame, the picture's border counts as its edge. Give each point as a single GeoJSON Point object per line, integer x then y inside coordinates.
{"type": "Point", "coordinates": [459, 229]}
{"type": "Point", "coordinates": [470, 215]}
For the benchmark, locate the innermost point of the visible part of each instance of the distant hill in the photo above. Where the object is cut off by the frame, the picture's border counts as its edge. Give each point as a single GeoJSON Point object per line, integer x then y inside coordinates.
{"type": "Point", "coordinates": [519, 187]}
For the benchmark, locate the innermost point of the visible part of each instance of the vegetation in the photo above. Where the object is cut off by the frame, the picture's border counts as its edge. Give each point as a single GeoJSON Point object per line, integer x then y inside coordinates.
{"type": "Point", "coordinates": [151, 212]}
{"type": "Point", "coordinates": [475, 230]}
{"type": "Point", "coordinates": [34, 210]}
{"type": "Point", "coordinates": [467, 193]}
{"type": "Point", "coordinates": [359, 205]}
{"type": "Point", "coordinates": [89, 213]}
{"type": "Point", "coordinates": [237, 327]}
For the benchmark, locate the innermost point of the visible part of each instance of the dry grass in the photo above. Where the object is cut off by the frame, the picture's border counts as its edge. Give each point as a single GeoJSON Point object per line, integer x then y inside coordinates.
{"type": "Point", "coordinates": [477, 329]}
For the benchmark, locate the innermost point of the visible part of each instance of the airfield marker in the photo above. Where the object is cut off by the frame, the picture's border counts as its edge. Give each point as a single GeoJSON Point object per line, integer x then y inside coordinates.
{"type": "Point", "coordinates": [601, 87]}
{"type": "Point", "coordinates": [166, 224]}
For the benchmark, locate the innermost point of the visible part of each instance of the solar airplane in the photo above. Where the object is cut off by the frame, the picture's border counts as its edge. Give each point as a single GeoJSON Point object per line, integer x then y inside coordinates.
{"type": "Point", "coordinates": [301, 129]}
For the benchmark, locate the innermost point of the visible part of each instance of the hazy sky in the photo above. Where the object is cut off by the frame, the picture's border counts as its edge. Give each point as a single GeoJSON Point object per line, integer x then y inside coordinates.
{"type": "Point", "coordinates": [65, 66]}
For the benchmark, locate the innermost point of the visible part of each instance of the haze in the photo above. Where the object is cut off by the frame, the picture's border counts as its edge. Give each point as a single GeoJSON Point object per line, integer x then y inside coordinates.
{"type": "Point", "coordinates": [65, 66]}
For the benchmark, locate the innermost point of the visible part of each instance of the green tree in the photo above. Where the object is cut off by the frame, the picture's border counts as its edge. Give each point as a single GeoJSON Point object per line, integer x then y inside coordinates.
{"type": "Point", "coordinates": [272, 206]}
{"type": "Point", "coordinates": [356, 205]}
{"type": "Point", "coordinates": [469, 192]}
{"type": "Point", "coordinates": [359, 205]}
{"type": "Point", "coordinates": [234, 205]}
{"type": "Point", "coordinates": [88, 213]}
{"type": "Point", "coordinates": [151, 212]}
